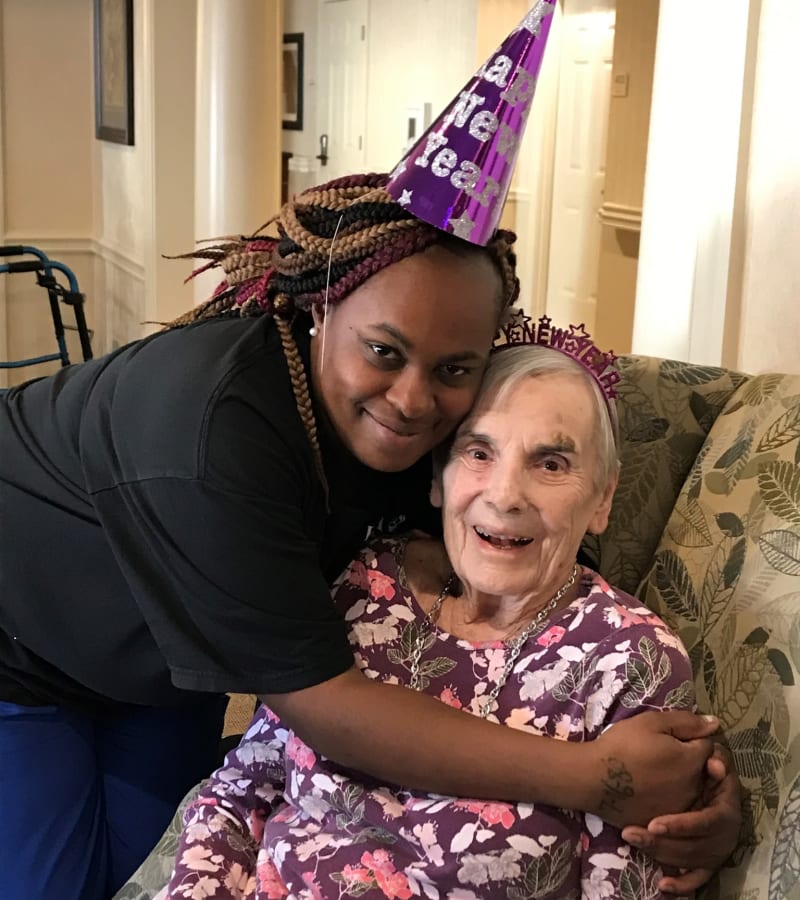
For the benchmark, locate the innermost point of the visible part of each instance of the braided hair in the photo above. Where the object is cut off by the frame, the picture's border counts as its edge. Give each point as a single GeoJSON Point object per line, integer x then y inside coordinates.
{"type": "Point", "coordinates": [330, 240]}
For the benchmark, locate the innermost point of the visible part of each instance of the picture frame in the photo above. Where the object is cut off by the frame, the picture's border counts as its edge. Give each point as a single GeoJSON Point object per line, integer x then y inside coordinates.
{"type": "Point", "coordinates": [113, 71]}
{"type": "Point", "coordinates": [292, 93]}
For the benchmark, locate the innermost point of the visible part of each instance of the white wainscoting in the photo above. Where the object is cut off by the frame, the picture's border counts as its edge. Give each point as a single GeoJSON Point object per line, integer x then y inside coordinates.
{"type": "Point", "coordinates": [120, 280]}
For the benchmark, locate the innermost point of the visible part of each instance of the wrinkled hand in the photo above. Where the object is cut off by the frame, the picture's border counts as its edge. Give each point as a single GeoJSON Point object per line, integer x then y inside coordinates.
{"type": "Point", "coordinates": [701, 840]}
{"type": "Point", "coordinates": [651, 765]}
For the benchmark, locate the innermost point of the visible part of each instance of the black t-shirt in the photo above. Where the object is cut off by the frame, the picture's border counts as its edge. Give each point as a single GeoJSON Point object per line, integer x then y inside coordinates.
{"type": "Point", "coordinates": [164, 530]}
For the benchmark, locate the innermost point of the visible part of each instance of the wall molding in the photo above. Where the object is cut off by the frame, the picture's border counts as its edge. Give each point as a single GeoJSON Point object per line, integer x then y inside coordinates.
{"type": "Point", "coordinates": [618, 215]}
{"type": "Point", "coordinates": [57, 246]}
{"type": "Point", "coordinates": [52, 245]}
{"type": "Point", "coordinates": [120, 260]}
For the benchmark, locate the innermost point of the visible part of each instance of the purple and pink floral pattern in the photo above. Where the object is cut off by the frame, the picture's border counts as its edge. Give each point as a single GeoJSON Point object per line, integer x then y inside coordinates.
{"type": "Point", "coordinates": [279, 821]}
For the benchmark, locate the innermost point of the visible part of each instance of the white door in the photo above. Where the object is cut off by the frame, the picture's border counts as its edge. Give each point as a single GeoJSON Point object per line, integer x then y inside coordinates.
{"type": "Point", "coordinates": [343, 85]}
{"type": "Point", "coordinates": [587, 46]}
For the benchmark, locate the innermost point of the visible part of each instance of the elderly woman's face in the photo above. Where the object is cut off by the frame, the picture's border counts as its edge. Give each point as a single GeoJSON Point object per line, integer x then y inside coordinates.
{"type": "Point", "coordinates": [520, 489]}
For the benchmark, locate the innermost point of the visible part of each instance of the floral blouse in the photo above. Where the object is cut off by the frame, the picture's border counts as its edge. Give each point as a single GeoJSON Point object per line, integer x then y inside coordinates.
{"type": "Point", "coordinates": [278, 820]}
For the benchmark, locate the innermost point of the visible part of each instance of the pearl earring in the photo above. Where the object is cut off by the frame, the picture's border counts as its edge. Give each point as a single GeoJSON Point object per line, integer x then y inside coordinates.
{"type": "Point", "coordinates": [313, 331]}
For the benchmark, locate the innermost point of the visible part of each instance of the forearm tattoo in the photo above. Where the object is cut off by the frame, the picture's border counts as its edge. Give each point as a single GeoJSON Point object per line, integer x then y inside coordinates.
{"type": "Point", "coordinates": [617, 786]}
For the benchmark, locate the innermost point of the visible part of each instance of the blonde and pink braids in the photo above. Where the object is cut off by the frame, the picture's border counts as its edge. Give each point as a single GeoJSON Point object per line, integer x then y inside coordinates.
{"type": "Point", "coordinates": [283, 274]}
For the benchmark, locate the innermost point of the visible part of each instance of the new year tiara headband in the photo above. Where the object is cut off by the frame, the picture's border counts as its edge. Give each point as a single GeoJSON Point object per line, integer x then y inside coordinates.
{"type": "Point", "coordinates": [521, 330]}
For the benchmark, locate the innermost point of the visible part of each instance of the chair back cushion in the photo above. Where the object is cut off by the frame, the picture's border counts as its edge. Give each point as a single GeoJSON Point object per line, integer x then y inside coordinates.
{"type": "Point", "coordinates": [665, 411]}
{"type": "Point", "coordinates": [726, 574]}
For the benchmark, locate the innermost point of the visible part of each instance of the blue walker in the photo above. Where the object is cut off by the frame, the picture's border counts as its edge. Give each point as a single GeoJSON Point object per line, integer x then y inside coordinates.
{"type": "Point", "coordinates": [47, 271]}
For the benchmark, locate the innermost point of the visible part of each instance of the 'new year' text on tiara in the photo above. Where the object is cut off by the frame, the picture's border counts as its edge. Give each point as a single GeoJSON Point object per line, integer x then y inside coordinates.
{"type": "Point", "coordinates": [575, 343]}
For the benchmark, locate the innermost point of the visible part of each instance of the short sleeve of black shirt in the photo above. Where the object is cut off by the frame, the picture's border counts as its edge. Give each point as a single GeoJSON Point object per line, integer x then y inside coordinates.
{"type": "Point", "coordinates": [202, 480]}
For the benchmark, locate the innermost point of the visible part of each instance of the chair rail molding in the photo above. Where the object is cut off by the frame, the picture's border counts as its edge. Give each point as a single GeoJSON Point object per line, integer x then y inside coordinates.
{"type": "Point", "coordinates": [56, 245]}
{"type": "Point", "coordinates": [118, 258]}
{"type": "Point", "coordinates": [618, 215]}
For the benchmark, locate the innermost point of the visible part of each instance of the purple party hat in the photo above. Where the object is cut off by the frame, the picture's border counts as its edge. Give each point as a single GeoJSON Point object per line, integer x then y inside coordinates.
{"type": "Point", "coordinates": [457, 175]}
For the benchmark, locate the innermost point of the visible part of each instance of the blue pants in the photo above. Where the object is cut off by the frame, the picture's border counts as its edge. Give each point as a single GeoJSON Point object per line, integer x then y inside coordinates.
{"type": "Point", "coordinates": [83, 800]}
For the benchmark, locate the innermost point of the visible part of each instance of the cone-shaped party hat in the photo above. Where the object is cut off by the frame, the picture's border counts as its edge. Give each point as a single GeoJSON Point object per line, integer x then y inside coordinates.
{"type": "Point", "coordinates": [457, 175]}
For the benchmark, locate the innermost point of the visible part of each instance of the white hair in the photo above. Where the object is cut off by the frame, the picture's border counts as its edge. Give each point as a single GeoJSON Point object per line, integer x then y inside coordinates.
{"type": "Point", "coordinates": [508, 367]}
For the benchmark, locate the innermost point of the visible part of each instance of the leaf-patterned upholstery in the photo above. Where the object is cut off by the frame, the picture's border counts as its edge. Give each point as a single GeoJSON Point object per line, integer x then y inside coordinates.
{"type": "Point", "coordinates": [726, 574]}
{"type": "Point", "coordinates": [666, 409]}
{"type": "Point", "coordinates": [706, 528]}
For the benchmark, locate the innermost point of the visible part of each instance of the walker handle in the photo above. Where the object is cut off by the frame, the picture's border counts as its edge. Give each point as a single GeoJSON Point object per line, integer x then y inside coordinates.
{"type": "Point", "coordinates": [12, 250]}
{"type": "Point", "coordinates": [25, 265]}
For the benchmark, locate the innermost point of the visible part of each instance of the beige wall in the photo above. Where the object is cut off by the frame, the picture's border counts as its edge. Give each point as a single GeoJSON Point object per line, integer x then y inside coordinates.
{"type": "Point", "coordinates": [84, 202]}
{"type": "Point", "coordinates": [47, 160]}
{"type": "Point", "coordinates": [47, 113]}
{"type": "Point", "coordinates": [626, 150]}
{"type": "Point", "coordinates": [110, 212]}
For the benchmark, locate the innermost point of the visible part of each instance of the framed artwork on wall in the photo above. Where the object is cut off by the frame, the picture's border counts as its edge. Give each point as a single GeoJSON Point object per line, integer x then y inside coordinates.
{"type": "Point", "coordinates": [292, 105]}
{"type": "Point", "coordinates": [113, 70]}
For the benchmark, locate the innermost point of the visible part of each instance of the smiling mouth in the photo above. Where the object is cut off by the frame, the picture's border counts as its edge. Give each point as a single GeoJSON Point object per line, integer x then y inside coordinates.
{"type": "Point", "coordinates": [397, 430]}
{"type": "Point", "coordinates": [502, 541]}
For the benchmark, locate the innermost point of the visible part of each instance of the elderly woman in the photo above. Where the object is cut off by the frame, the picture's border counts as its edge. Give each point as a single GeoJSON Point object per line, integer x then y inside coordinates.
{"type": "Point", "coordinates": [499, 621]}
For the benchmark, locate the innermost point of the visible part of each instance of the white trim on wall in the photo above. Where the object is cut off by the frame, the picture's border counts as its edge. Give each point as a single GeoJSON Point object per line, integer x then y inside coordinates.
{"type": "Point", "coordinates": [120, 260]}
{"type": "Point", "coordinates": [620, 216]}
{"type": "Point", "coordinates": [53, 244]}
{"type": "Point", "coordinates": [57, 246]}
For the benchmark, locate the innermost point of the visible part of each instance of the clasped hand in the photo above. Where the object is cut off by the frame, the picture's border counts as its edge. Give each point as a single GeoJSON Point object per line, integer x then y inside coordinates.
{"type": "Point", "coordinates": [674, 792]}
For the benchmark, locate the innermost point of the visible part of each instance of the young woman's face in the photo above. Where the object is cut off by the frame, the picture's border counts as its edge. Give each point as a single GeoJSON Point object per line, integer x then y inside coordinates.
{"type": "Point", "coordinates": [399, 362]}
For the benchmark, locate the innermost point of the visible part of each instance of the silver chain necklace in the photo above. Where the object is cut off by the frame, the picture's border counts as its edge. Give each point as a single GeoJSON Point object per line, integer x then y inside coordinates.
{"type": "Point", "coordinates": [513, 647]}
